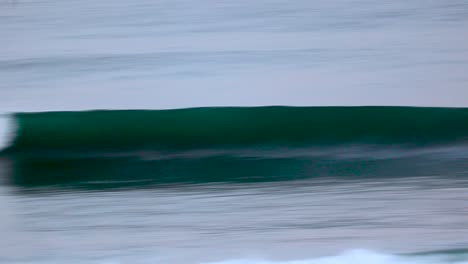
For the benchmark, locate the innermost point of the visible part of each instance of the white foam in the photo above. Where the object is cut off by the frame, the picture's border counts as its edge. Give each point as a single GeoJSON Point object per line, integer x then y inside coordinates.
{"type": "Point", "coordinates": [7, 131]}
{"type": "Point", "coordinates": [350, 257]}
{"type": "Point", "coordinates": [359, 257]}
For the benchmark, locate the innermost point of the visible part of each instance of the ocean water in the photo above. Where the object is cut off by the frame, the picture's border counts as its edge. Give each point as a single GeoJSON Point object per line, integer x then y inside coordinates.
{"type": "Point", "coordinates": [145, 54]}
{"type": "Point", "coordinates": [150, 132]}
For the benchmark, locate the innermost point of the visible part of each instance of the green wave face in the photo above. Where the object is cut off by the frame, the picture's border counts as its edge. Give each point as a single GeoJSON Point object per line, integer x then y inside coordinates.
{"type": "Point", "coordinates": [236, 126]}
{"type": "Point", "coordinates": [101, 149]}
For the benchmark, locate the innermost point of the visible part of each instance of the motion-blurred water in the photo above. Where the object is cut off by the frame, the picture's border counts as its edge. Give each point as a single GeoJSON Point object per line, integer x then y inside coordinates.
{"type": "Point", "coordinates": [202, 223]}
{"type": "Point", "coordinates": [81, 54]}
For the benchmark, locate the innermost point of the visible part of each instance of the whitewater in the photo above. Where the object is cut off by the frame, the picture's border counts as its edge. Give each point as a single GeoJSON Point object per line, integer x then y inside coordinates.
{"type": "Point", "coordinates": [355, 256]}
{"type": "Point", "coordinates": [7, 131]}
{"type": "Point", "coordinates": [360, 256]}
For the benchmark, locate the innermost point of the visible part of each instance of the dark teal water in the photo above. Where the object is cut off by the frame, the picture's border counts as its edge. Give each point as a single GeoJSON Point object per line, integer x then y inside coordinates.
{"type": "Point", "coordinates": [239, 127]}
{"type": "Point", "coordinates": [235, 145]}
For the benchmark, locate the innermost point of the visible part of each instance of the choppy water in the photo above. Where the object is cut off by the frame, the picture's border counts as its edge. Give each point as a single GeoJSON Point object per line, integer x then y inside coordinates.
{"type": "Point", "coordinates": [381, 187]}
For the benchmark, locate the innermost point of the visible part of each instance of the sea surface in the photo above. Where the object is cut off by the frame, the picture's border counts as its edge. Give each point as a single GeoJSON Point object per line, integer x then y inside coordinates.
{"type": "Point", "coordinates": [234, 132]}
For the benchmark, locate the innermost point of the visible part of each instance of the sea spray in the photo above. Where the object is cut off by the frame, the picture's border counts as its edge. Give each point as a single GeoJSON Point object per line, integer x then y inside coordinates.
{"type": "Point", "coordinates": [7, 129]}
{"type": "Point", "coordinates": [366, 257]}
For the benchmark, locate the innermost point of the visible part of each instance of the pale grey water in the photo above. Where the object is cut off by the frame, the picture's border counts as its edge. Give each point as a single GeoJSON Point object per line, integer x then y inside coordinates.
{"type": "Point", "coordinates": [201, 223]}
{"type": "Point", "coordinates": [83, 54]}
{"type": "Point", "coordinates": [57, 55]}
